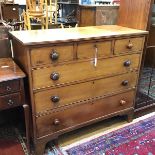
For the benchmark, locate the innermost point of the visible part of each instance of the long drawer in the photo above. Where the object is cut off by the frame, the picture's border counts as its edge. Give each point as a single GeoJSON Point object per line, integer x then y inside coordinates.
{"type": "Point", "coordinates": [73, 72]}
{"type": "Point", "coordinates": [53, 98]}
{"type": "Point", "coordinates": [66, 118]}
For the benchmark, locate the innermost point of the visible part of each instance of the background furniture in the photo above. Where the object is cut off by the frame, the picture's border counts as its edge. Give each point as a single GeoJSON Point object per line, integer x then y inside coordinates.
{"type": "Point", "coordinates": [37, 11]}
{"type": "Point", "coordinates": [41, 12]}
{"type": "Point", "coordinates": [88, 15]}
{"type": "Point", "coordinates": [12, 90]}
{"type": "Point", "coordinates": [10, 12]}
{"type": "Point", "coordinates": [146, 92]}
{"type": "Point", "coordinates": [135, 13]}
{"type": "Point", "coordinates": [5, 42]}
{"type": "Point", "coordinates": [73, 77]}
{"type": "Point", "coordinates": [67, 12]}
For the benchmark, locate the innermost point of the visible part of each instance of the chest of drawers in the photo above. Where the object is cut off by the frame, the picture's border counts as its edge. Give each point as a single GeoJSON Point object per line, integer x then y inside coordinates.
{"type": "Point", "coordinates": [12, 90]}
{"type": "Point", "coordinates": [78, 76]}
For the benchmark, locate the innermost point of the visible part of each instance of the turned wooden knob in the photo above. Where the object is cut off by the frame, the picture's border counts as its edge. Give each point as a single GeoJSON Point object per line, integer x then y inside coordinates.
{"type": "Point", "coordinates": [55, 76]}
{"type": "Point", "coordinates": [55, 99]}
{"type": "Point", "coordinates": [8, 88]}
{"type": "Point", "coordinates": [10, 102]}
{"type": "Point", "coordinates": [125, 82]}
{"type": "Point", "coordinates": [130, 46]}
{"type": "Point", "coordinates": [127, 63]}
{"type": "Point", "coordinates": [122, 102]}
{"type": "Point", "coordinates": [56, 122]}
{"type": "Point", "coordinates": [54, 55]}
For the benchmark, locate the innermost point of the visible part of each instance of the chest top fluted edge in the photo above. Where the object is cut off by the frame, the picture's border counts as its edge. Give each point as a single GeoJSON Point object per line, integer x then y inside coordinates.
{"type": "Point", "coordinates": [38, 37]}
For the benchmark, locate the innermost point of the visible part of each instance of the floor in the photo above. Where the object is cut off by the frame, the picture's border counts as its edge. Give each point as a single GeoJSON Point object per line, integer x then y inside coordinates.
{"type": "Point", "coordinates": [98, 128]}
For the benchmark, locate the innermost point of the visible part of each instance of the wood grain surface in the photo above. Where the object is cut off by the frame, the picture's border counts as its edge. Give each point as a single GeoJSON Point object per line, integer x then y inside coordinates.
{"type": "Point", "coordinates": [36, 37]}
{"type": "Point", "coordinates": [81, 114]}
{"type": "Point", "coordinates": [81, 71]}
{"type": "Point", "coordinates": [134, 13]}
{"type": "Point", "coordinates": [9, 70]}
{"type": "Point", "coordinates": [72, 94]}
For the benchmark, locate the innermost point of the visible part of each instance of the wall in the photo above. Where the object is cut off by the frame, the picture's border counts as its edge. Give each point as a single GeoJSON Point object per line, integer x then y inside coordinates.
{"type": "Point", "coordinates": [20, 2]}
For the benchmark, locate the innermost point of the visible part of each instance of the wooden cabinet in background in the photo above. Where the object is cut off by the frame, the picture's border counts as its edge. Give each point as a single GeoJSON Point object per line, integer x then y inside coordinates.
{"type": "Point", "coordinates": [10, 12]}
{"type": "Point", "coordinates": [91, 15]}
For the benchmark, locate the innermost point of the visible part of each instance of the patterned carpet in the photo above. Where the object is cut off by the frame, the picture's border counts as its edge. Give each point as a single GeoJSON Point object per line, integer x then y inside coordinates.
{"type": "Point", "coordinates": [136, 138]}
{"type": "Point", "coordinates": [147, 82]}
{"type": "Point", "coordinates": [11, 141]}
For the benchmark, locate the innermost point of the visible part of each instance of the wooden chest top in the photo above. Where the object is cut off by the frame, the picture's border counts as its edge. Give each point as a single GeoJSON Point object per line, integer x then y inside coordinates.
{"type": "Point", "coordinates": [36, 37]}
{"type": "Point", "coordinates": [9, 70]}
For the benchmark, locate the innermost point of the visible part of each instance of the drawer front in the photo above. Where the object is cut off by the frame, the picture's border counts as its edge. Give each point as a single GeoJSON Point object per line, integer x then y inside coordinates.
{"type": "Point", "coordinates": [90, 50]}
{"type": "Point", "coordinates": [54, 54]}
{"type": "Point", "coordinates": [129, 45]}
{"type": "Point", "coordinates": [79, 114]}
{"type": "Point", "coordinates": [8, 101]}
{"type": "Point", "coordinates": [9, 86]}
{"type": "Point", "coordinates": [53, 98]}
{"type": "Point", "coordinates": [74, 72]}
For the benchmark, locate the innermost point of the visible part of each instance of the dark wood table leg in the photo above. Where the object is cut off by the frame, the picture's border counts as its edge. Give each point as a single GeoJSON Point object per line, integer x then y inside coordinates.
{"type": "Point", "coordinates": [27, 124]}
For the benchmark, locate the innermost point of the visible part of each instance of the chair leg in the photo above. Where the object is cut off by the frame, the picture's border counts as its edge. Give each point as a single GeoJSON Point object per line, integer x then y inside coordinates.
{"type": "Point", "coordinates": [28, 21]}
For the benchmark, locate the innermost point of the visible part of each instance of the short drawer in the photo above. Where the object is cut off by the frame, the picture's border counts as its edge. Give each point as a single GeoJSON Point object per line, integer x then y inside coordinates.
{"type": "Point", "coordinates": [11, 100]}
{"type": "Point", "coordinates": [129, 45]}
{"type": "Point", "coordinates": [94, 49]}
{"type": "Point", "coordinates": [53, 98]}
{"type": "Point", "coordinates": [9, 86]}
{"type": "Point", "coordinates": [54, 54]}
{"type": "Point", "coordinates": [82, 113]}
{"type": "Point", "coordinates": [78, 71]}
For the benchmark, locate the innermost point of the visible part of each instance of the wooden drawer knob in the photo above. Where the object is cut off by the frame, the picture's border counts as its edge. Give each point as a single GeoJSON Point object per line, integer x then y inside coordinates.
{"type": "Point", "coordinates": [122, 102]}
{"type": "Point", "coordinates": [130, 46]}
{"type": "Point", "coordinates": [10, 102]}
{"type": "Point", "coordinates": [127, 63]}
{"type": "Point", "coordinates": [54, 55]}
{"type": "Point", "coordinates": [55, 99]}
{"type": "Point", "coordinates": [56, 122]}
{"type": "Point", "coordinates": [8, 88]}
{"type": "Point", "coordinates": [55, 76]}
{"type": "Point", "coordinates": [125, 82]}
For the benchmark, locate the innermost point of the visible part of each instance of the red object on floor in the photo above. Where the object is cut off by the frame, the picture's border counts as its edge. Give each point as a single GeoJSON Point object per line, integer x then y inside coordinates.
{"type": "Point", "coordinates": [135, 139]}
{"type": "Point", "coordinates": [10, 147]}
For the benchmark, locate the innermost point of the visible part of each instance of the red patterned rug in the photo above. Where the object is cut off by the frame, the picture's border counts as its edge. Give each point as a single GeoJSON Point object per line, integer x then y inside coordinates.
{"type": "Point", "coordinates": [11, 142]}
{"type": "Point", "coordinates": [134, 139]}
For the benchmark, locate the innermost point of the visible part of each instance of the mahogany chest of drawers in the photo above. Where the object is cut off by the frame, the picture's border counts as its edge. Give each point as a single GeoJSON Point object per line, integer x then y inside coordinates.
{"type": "Point", "coordinates": [12, 90]}
{"type": "Point", "coordinates": [78, 76]}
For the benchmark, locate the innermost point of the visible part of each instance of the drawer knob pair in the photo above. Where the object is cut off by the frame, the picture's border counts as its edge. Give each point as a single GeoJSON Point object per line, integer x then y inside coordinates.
{"type": "Point", "coordinates": [56, 122]}
{"type": "Point", "coordinates": [55, 76]}
{"type": "Point", "coordinates": [54, 55]}
{"type": "Point", "coordinates": [127, 63]}
{"type": "Point", "coordinates": [55, 99]}
{"type": "Point", "coordinates": [10, 102]}
{"type": "Point", "coordinates": [122, 102]}
{"type": "Point", "coordinates": [130, 46]}
{"type": "Point", "coordinates": [125, 82]}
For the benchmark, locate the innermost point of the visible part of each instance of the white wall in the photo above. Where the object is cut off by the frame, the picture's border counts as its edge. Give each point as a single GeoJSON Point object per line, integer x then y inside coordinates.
{"type": "Point", "coordinates": [20, 2]}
